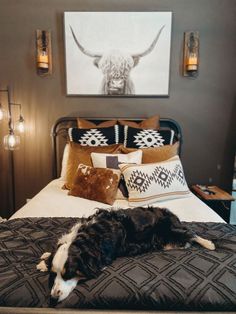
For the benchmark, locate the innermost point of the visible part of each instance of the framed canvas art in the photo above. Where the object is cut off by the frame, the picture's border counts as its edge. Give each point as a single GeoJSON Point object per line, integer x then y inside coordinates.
{"type": "Point", "coordinates": [117, 53]}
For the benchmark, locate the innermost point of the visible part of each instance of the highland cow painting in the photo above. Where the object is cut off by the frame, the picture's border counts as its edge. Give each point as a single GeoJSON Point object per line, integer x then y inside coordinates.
{"type": "Point", "coordinates": [117, 53]}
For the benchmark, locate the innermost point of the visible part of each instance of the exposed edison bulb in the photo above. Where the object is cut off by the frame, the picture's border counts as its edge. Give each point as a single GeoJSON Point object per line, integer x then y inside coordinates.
{"type": "Point", "coordinates": [21, 125]}
{"type": "Point", "coordinates": [11, 141]}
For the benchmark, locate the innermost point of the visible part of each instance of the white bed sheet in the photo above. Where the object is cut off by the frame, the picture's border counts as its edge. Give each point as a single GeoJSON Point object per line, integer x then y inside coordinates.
{"type": "Point", "coordinates": [52, 201]}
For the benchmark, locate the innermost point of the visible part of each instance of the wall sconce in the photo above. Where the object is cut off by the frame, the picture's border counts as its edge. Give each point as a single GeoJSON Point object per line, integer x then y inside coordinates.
{"type": "Point", "coordinates": [11, 141]}
{"type": "Point", "coordinates": [191, 54]}
{"type": "Point", "coordinates": [44, 54]}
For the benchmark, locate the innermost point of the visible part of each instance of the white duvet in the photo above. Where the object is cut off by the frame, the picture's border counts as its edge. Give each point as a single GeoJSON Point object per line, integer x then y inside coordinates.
{"type": "Point", "coordinates": [52, 201]}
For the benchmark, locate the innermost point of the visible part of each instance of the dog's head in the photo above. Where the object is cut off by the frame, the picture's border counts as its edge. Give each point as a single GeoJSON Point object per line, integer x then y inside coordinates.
{"type": "Point", "coordinates": [64, 272]}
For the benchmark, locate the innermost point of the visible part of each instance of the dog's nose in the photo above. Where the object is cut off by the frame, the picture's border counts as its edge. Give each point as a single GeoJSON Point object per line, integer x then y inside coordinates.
{"type": "Point", "coordinates": [53, 301]}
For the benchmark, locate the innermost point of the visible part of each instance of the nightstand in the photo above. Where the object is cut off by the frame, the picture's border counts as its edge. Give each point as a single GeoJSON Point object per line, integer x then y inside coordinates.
{"type": "Point", "coordinates": [216, 198]}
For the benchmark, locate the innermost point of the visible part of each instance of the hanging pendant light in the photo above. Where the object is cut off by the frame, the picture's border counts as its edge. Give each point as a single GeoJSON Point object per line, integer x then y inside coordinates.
{"type": "Point", "coordinates": [11, 141]}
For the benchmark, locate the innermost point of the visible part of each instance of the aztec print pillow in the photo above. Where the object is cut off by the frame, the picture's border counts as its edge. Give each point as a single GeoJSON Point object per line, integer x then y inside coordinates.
{"type": "Point", "coordinates": [96, 136]}
{"type": "Point", "coordinates": [149, 183]}
{"type": "Point", "coordinates": [112, 161]}
{"type": "Point", "coordinates": [143, 138]}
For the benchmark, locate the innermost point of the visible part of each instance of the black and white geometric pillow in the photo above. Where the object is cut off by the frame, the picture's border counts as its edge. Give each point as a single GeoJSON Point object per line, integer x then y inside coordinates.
{"type": "Point", "coordinates": [149, 183]}
{"type": "Point", "coordinates": [95, 137]}
{"type": "Point", "coordinates": [143, 138]}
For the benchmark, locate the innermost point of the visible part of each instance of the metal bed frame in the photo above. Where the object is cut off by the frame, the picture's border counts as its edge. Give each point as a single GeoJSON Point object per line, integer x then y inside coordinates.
{"type": "Point", "coordinates": [59, 130]}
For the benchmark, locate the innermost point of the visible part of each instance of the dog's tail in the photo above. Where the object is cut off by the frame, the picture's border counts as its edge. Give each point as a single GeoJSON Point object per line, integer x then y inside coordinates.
{"type": "Point", "coordinates": [208, 244]}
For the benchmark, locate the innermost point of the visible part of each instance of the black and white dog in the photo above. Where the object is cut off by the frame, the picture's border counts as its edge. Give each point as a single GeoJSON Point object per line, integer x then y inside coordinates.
{"type": "Point", "coordinates": [94, 242]}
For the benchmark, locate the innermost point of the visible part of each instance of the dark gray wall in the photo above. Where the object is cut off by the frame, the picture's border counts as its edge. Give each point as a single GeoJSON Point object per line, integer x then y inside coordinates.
{"type": "Point", "coordinates": [204, 107]}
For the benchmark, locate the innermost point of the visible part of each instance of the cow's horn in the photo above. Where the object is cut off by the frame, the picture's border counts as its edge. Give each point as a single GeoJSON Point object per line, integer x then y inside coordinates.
{"type": "Point", "coordinates": [82, 49]}
{"type": "Point", "coordinates": [147, 51]}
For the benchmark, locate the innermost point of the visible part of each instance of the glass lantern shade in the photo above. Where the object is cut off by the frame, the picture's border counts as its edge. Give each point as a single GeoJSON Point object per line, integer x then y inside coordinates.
{"type": "Point", "coordinates": [11, 141]}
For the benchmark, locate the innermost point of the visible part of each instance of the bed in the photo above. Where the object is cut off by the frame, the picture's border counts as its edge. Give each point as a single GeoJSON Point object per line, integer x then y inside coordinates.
{"type": "Point", "coordinates": [178, 280]}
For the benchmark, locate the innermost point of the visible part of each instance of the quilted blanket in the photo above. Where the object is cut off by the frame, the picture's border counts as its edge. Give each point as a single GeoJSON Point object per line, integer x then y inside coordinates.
{"type": "Point", "coordinates": [188, 279]}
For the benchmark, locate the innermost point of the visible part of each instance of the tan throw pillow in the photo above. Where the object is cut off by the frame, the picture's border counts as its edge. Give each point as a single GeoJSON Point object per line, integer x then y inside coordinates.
{"type": "Point", "coordinates": [97, 184]}
{"type": "Point", "coordinates": [150, 123]}
{"type": "Point", "coordinates": [85, 124]}
{"type": "Point", "coordinates": [150, 183]}
{"type": "Point", "coordinates": [155, 154]}
{"type": "Point", "coordinates": [82, 155]}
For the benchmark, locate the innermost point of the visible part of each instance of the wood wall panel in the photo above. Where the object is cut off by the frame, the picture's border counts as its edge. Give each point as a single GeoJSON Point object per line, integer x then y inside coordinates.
{"type": "Point", "coordinates": [204, 107]}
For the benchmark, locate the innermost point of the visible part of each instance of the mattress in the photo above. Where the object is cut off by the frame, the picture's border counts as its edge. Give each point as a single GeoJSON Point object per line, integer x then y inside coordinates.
{"type": "Point", "coordinates": [53, 201]}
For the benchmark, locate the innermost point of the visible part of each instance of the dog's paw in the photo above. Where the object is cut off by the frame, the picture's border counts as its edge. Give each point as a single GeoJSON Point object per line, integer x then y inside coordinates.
{"type": "Point", "coordinates": [45, 255]}
{"type": "Point", "coordinates": [42, 266]}
{"type": "Point", "coordinates": [210, 245]}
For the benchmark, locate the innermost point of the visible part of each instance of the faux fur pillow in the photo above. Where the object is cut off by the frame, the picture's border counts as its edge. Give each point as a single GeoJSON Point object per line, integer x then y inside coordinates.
{"type": "Point", "coordinates": [112, 161]}
{"type": "Point", "coordinates": [149, 183]}
{"type": "Point", "coordinates": [95, 184]}
{"type": "Point", "coordinates": [150, 123]}
{"type": "Point", "coordinates": [82, 154]}
{"type": "Point", "coordinates": [85, 124]}
{"type": "Point", "coordinates": [155, 154]}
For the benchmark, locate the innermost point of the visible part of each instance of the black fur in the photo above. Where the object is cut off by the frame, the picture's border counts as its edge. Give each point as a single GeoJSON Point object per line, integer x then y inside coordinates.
{"type": "Point", "coordinates": [109, 234]}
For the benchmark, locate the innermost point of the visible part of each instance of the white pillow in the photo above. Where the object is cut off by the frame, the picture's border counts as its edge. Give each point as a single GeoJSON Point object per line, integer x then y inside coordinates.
{"type": "Point", "coordinates": [112, 161]}
{"type": "Point", "coordinates": [101, 160]}
{"type": "Point", "coordinates": [149, 183]}
{"type": "Point", "coordinates": [64, 162]}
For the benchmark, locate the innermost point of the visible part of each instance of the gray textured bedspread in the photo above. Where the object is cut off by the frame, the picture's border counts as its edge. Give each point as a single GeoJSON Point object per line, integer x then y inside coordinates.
{"type": "Point", "coordinates": [191, 279]}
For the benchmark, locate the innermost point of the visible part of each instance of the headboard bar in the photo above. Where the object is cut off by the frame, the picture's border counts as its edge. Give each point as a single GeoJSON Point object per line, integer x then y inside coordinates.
{"type": "Point", "coordinates": [60, 128]}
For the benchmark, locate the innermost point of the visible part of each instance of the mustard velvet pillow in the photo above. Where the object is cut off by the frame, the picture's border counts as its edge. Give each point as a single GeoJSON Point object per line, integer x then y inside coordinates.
{"type": "Point", "coordinates": [96, 184]}
{"type": "Point", "coordinates": [85, 124]}
{"type": "Point", "coordinates": [155, 154]}
{"type": "Point", "coordinates": [82, 155]}
{"type": "Point", "coordinates": [150, 123]}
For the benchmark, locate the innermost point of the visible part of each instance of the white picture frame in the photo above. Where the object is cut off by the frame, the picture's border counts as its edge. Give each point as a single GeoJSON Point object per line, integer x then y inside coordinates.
{"type": "Point", "coordinates": [117, 53]}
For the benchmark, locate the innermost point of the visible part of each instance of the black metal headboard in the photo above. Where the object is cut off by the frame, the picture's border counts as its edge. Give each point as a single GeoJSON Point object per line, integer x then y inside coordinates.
{"type": "Point", "coordinates": [59, 134]}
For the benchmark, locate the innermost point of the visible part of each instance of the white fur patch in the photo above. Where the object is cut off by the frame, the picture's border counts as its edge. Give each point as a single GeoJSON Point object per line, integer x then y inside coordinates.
{"type": "Point", "coordinates": [69, 237]}
{"type": "Point", "coordinates": [45, 255]}
{"type": "Point", "coordinates": [62, 288]}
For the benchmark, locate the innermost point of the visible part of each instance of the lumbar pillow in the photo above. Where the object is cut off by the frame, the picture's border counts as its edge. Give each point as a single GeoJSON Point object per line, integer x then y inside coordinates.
{"type": "Point", "coordinates": [96, 136]}
{"type": "Point", "coordinates": [143, 138]}
{"type": "Point", "coordinates": [112, 161]}
{"type": "Point", "coordinates": [95, 184]}
{"type": "Point", "coordinates": [148, 183]}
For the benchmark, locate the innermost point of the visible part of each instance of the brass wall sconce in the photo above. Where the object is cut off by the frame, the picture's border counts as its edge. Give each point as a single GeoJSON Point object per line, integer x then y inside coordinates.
{"type": "Point", "coordinates": [191, 54]}
{"type": "Point", "coordinates": [11, 141]}
{"type": "Point", "coordinates": [44, 52]}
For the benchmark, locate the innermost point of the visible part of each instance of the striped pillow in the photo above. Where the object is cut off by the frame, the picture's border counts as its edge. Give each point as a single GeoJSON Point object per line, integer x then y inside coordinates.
{"type": "Point", "coordinates": [149, 183]}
